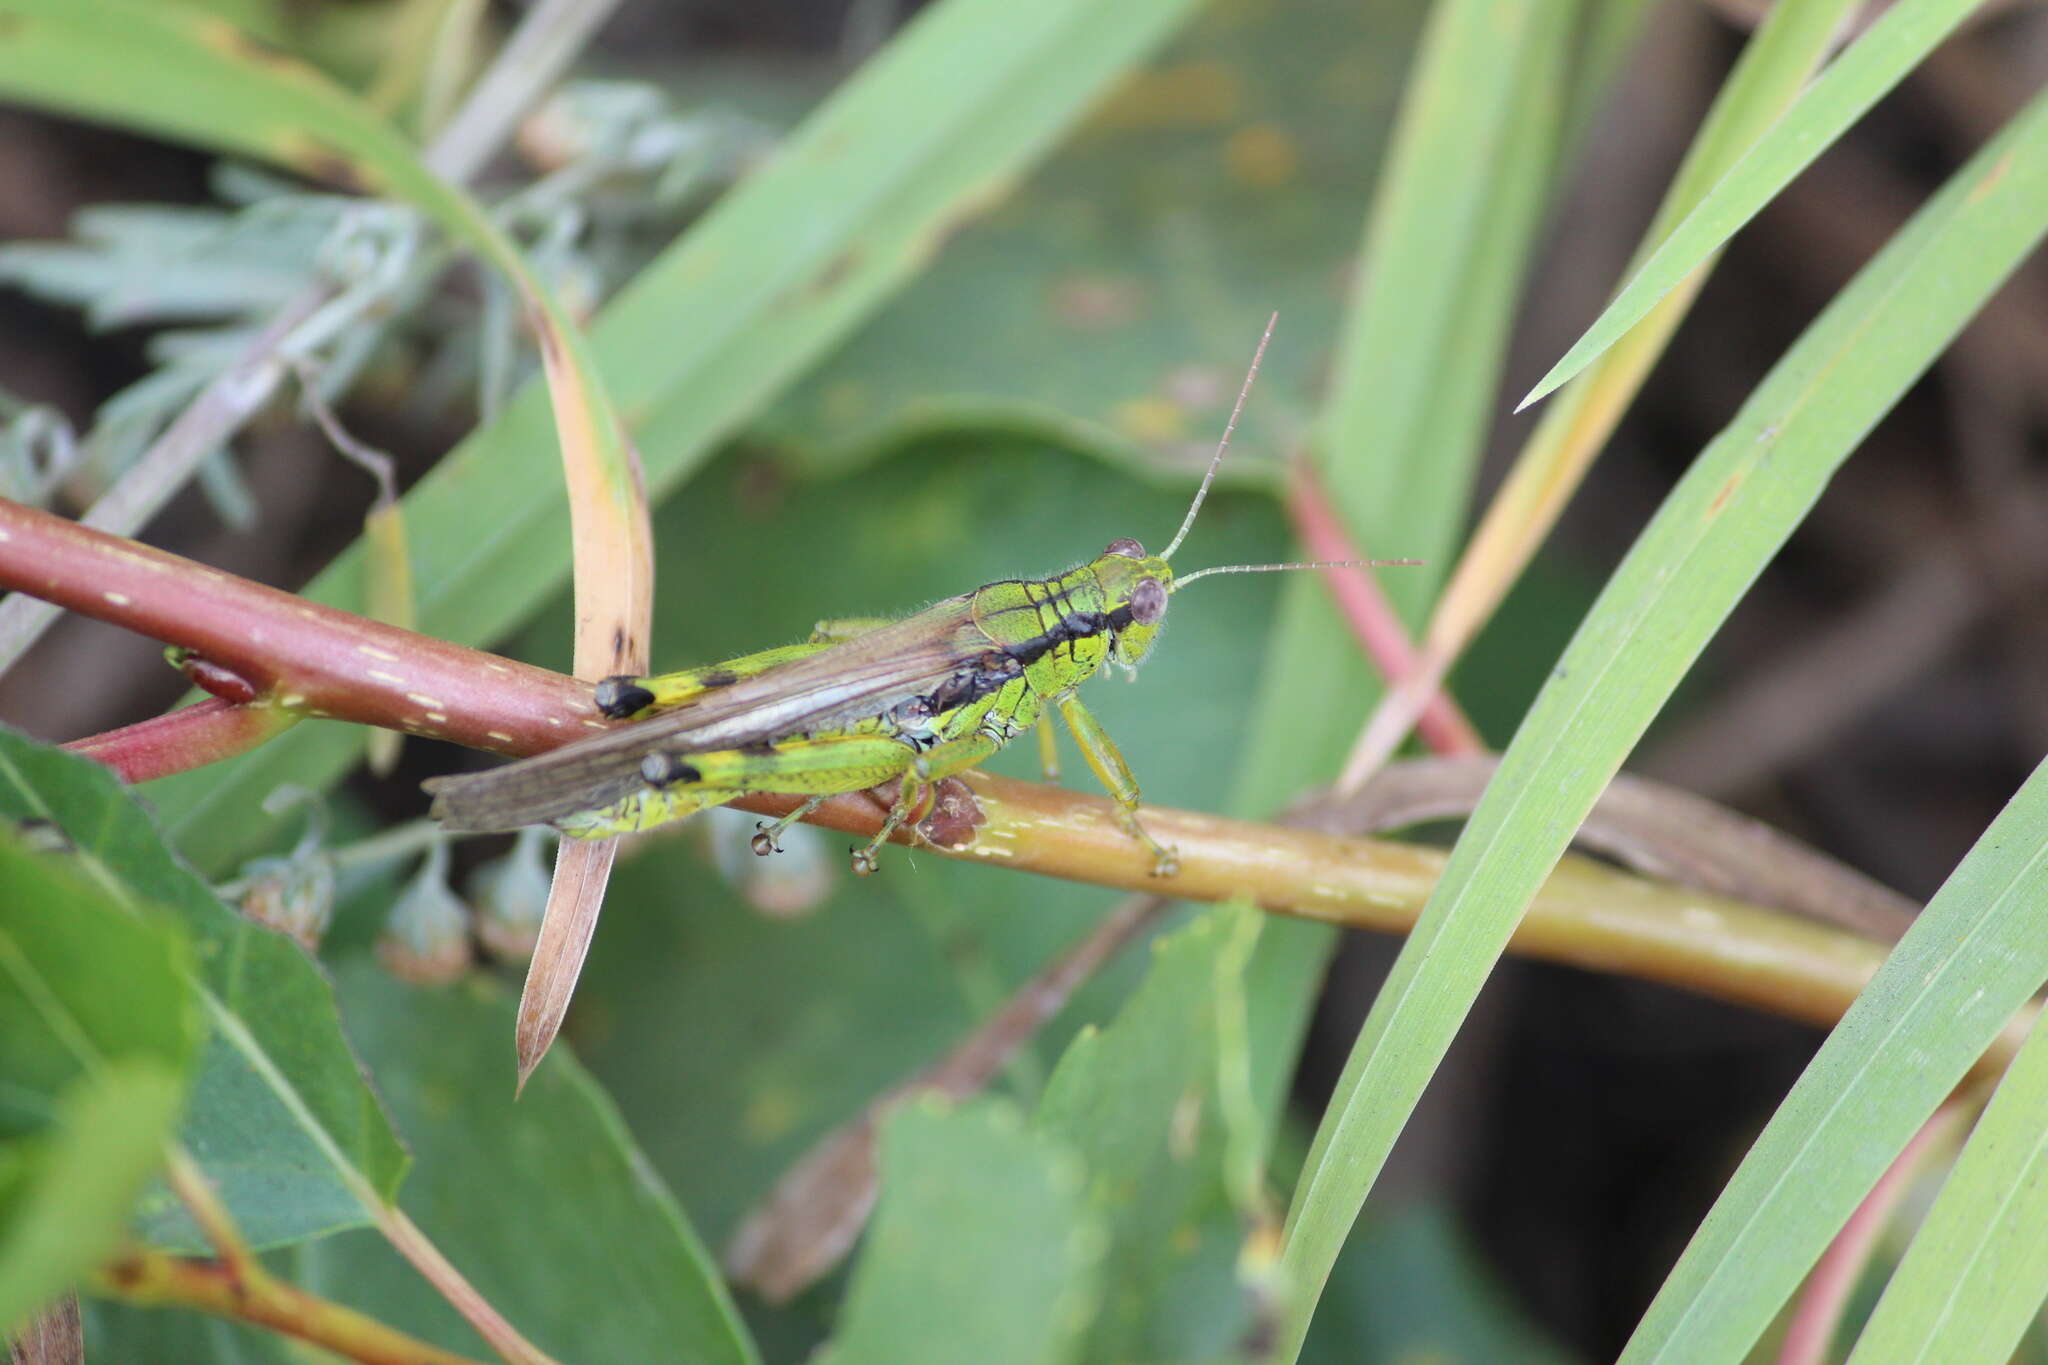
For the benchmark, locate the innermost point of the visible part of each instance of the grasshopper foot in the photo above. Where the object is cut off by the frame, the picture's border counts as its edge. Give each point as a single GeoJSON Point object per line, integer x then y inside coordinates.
{"type": "Point", "coordinates": [1165, 861]}
{"type": "Point", "coordinates": [768, 833]}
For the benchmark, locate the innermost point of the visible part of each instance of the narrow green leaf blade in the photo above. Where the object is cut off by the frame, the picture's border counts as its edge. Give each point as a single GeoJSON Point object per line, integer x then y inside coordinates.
{"type": "Point", "coordinates": [1013, 1282]}
{"type": "Point", "coordinates": [1852, 83]}
{"type": "Point", "coordinates": [1731, 513]}
{"type": "Point", "coordinates": [1400, 442]}
{"type": "Point", "coordinates": [1975, 1275]}
{"type": "Point", "coordinates": [1972, 958]}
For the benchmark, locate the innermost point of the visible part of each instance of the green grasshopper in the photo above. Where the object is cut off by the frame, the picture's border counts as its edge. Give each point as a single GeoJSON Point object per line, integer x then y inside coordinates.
{"type": "Point", "coordinates": [861, 703]}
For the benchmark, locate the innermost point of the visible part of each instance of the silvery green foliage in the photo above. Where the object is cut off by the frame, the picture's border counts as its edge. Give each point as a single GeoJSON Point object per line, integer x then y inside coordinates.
{"type": "Point", "coordinates": [215, 279]}
{"type": "Point", "coordinates": [622, 169]}
{"type": "Point", "coordinates": [38, 449]}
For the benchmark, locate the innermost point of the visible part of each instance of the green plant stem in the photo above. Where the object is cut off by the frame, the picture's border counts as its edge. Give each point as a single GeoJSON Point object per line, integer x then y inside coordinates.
{"type": "Point", "coordinates": [1586, 914]}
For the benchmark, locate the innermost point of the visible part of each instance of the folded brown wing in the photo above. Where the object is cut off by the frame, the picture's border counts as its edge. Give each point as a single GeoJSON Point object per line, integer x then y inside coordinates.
{"type": "Point", "coordinates": [835, 687]}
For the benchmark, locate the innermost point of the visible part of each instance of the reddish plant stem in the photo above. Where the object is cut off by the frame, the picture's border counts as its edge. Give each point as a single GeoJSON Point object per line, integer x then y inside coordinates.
{"type": "Point", "coordinates": [181, 740]}
{"type": "Point", "coordinates": [1817, 1313]}
{"type": "Point", "coordinates": [1370, 615]}
{"type": "Point", "coordinates": [302, 658]}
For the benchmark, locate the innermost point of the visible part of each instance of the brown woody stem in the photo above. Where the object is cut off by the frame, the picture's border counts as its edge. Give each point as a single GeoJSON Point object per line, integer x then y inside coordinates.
{"type": "Point", "coordinates": [298, 656]}
{"type": "Point", "coordinates": [333, 662]}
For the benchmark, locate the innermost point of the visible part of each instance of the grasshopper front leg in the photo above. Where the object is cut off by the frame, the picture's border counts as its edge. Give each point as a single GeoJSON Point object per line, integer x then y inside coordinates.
{"type": "Point", "coordinates": [626, 696]}
{"type": "Point", "coordinates": [1115, 774]}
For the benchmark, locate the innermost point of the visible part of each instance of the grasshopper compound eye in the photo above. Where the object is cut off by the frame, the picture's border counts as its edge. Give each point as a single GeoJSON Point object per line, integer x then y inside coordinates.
{"type": "Point", "coordinates": [1148, 602]}
{"type": "Point", "coordinates": [1126, 547]}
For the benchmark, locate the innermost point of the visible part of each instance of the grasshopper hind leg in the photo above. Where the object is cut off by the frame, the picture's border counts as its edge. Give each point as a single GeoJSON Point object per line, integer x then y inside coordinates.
{"type": "Point", "coordinates": [910, 796]}
{"type": "Point", "coordinates": [913, 795]}
{"type": "Point", "coordinates": [628, 696]}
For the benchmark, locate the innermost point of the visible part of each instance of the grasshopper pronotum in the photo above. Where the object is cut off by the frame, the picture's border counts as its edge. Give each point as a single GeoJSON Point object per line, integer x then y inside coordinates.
{"type": "Point", "coordinates": [861, 703]}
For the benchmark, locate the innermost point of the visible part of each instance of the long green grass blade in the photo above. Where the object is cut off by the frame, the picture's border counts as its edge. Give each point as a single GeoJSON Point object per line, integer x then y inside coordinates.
{"type": "Point", "coordinates": [1400, 442]}
{"type": "Point", "coordinates": [1978, 1268]}
{"type": "Point", "coordinates": [1445, 241]}
{"type": "Point", "coordinates": [783, 267]}
{"type": "Point", "coordinates": [1743, 497]}
{"type": "Point", "coordinates": [1973, 957]}
{"type": "Point", "coordinates": [1853, 82]}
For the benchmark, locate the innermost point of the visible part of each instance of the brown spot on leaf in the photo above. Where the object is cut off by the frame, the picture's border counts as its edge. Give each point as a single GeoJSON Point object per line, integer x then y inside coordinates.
{"type": "Point", "coordinates": [1089, 302]}
{"type": "Point", "coordinates": [247, 47]}
{"type": "Point", "coordinates": [317, 159]}
{"type": "Point", "coordinates": [1262, 156]}
{"type": "Point", "coordinates": [123, 1273]}
{"type": "Point", "coordinates": [549, 340]}
{"type": "Point", "coordinates": [1727, 492]}
{"type": "Point", "coordinates": [835, 272]}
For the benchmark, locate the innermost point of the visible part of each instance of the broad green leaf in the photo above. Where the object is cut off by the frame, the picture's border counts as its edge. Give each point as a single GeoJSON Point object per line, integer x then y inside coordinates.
{"type": "Point", "coordinates": [788, 263]}
{"type": "Point", "coordinates": [281, 1117]}
{"type": "Point", "coordinates": [1896, 43]}
{"type": "Point", "coordinates": [87, 976]}
{"type": "Point", "coordinates": [66, 1195]}
{"type": "Point", "coordinates": [1139, 1103]}
{"type": "Point", "coordinates": [543, 1199]}
{"type": "Point", "coordinates": [1734, 509]}
{"type": "Point", "coordinates": [1013, 1279]}
{"type": "Point", "coordinates": [119, 1332]}
{"type": "Point", "coordinates": [98, 1031]}
{"type": "Point", "coordinates": [1113, 301]}
{"type": "Point", "coordinates": [1973, 1279]}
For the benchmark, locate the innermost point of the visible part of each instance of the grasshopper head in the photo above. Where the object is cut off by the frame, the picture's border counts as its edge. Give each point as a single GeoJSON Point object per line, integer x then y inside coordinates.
{"type": "Point", "coordinates": [1135, 585]}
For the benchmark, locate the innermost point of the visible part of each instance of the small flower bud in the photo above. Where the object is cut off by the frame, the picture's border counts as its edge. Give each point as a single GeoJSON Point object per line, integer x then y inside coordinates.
{"type": "Point", "coordinates": [293, 895]}
{"type": "Point", "coordinates": [426, 936]}
{"type": "Point", "coordinates": [510, 894]}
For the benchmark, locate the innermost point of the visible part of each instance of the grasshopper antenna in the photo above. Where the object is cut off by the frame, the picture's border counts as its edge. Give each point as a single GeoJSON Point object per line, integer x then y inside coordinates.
{"type": "Point", "coordinates": [1181, 581]}
{"type": "Point", "coordinates": [1187, 523]}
